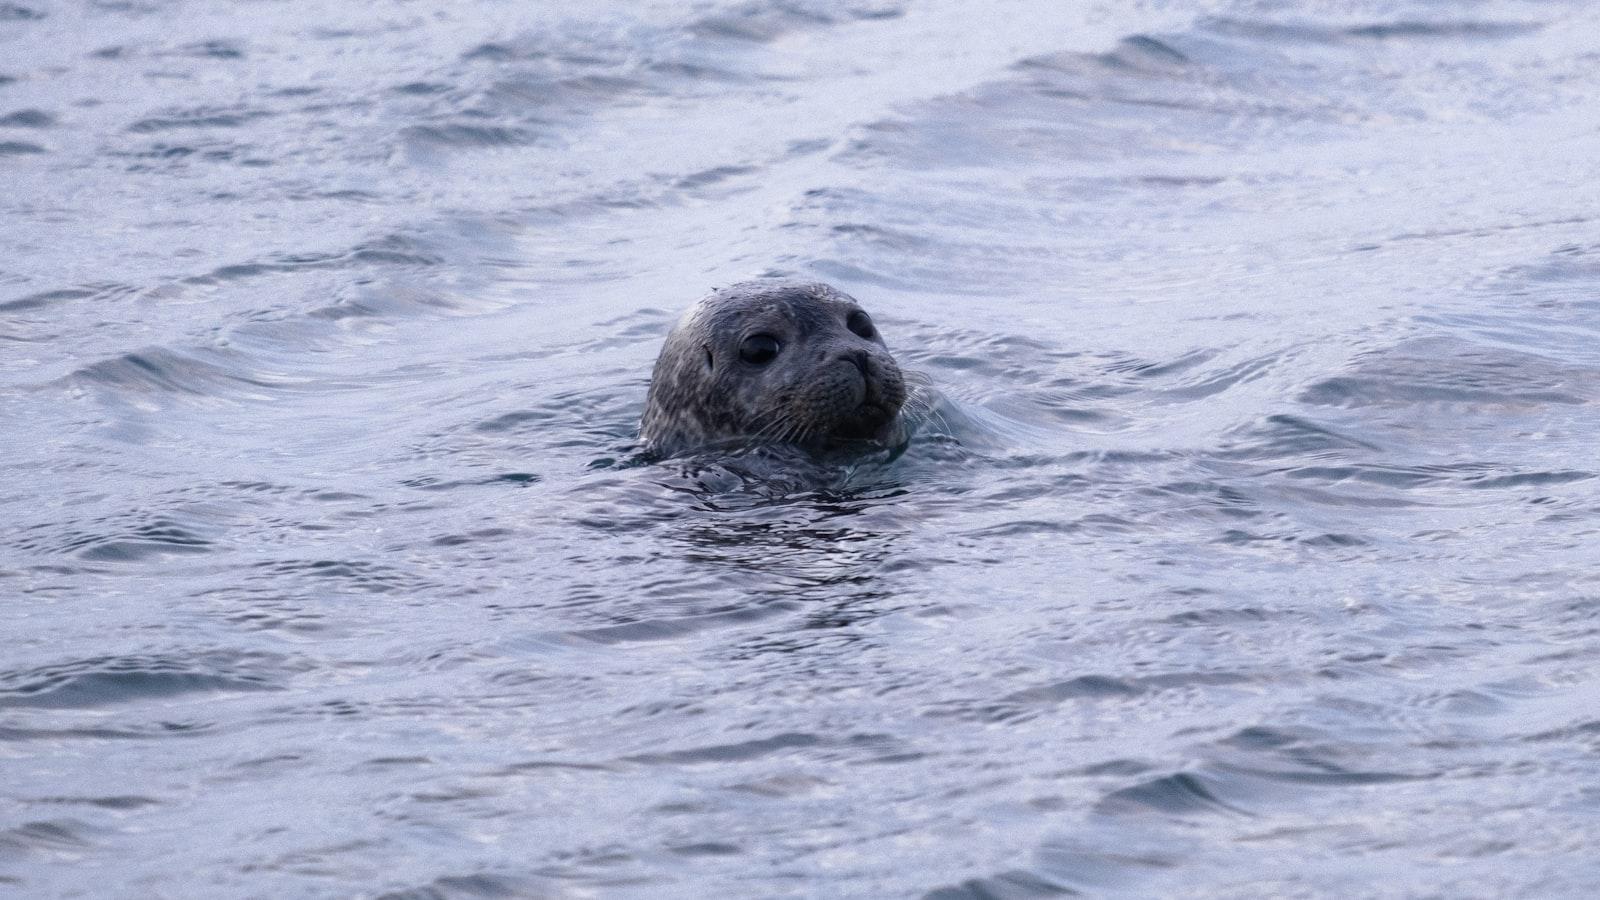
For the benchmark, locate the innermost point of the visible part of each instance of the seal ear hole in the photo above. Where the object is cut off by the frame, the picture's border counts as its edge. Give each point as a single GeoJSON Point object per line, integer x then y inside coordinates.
{"type": "Point", "coordinates": [759, 349]}
{"type": "Point", "coordinates": [861, 324]}
{"type": "Point", "coordinates": [709, 364]}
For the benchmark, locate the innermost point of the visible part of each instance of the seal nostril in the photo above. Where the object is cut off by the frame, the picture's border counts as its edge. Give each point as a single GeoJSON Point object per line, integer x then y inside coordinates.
{"type": "Point", "coordinates": [859, 359]}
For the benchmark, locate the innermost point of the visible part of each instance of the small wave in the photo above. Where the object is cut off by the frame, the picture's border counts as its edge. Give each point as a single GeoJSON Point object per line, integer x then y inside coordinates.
{"type": "Point", "coordinates": [1437, 30]}
{"type": "Point", "coordinates": [1028, 703]}
{"type": "Point", "coordinates": [20, 148]}
{"type": "Point", "coordinates": [1392, 389]}
{"type": "Point", "coordinates": [44, 298]}
{"type": "Point", "coordinates": [1584, 731]}
{"type": "Point", "coordinates": [1211, 383]}
{"type": "Point", "coordinates": [1454, 372]}
{"type": "Point", "coordinates": [696, 73]}
{"type": "Point", "coordinates": [214, 49]}
{"type": "Point", "coordinates": [1544, 478]}
{"type": "Point", "coordinates": [1015, 884]}
{"type": "Point", "coordinates": [699, 181]}
{"type": "Point", "coordinates": [49, 837]}
{"type": "Point", "coordinates": [116, 801]}
{"type": "Point", "coordinates": [1388, 475]}
{"type": "Point", "coordinates": [497, 51]}
{"type": "Point", "coordinates": [422, 88]}
{"type": "Point", "coordinates": [27, 118]}
{"type": "Point", "coordinates": [159, 370]}
{"type": "Point", "coordinates": [460, 135]}
{"type": "Point", "coordinates": [152, 539]}
{"type": "Point", "coordinates": [663, 628]}
{"type": "Point", "coordinates": [1296, 757]}
{"type": "Point", "coordinates": [881, 236]}
{"type": "Point", "coordinates": [1137, 54]}
{"type": "Point", "coordinates": [155, 730]}
{"type": "Point", "coordinates": [1146, 368]}
{"type": "Point", "coordinates": [395, 249]}
{"type": "Point", "coordinates": [201, 117]}
{"type": "Point", "coordinates": [1083, 687]}
{"type": "Point", "coordinates": [112, 680]}
{"type": "Point", "coordinates": [349, 574]}
{"type": "Point", "coordinates": [114, 539]}
{"type": "Point", "coordinates": [766, 22]}
{"type": "Point", "coordinates": [1371, 31]}
{"type": "Point", "coordinates": [1184, 794]}
{"type": "Point", "coordinates": [467, 887]}
{"type": "Point", "coordinates": [1288, 436]}
{"type": "Point", "coordinates": [743, 751]}
{"type": "Point", "coordinates": [429, 483]}
{"type": "Point", "coordinates": [14, 12]}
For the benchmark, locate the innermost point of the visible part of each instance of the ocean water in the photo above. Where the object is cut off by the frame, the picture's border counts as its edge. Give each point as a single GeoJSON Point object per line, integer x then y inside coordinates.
{"type": "Point", "coordinates": [1266, 564]}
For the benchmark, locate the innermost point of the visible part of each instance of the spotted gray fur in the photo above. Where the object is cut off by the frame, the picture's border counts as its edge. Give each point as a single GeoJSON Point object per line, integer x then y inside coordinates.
{"type": "Point", "coordinates": [827, 387]}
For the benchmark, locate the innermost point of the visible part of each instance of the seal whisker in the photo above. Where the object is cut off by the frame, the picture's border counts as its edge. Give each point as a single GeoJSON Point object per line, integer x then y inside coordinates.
{"type": "Point", "coordinates": [792, 432]}
{"type": "Point", "coordinates": [774, 428]}
{"type": "Point", "coordinates": [780, 350]}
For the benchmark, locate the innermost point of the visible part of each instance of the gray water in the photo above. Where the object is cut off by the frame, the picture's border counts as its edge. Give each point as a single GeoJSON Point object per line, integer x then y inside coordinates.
{"type": "Point", "coordinates": [1266, 566]}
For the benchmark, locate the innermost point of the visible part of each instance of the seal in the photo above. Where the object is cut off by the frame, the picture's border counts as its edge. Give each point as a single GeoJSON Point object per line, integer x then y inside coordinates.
{"type": "Point", "coordinates": [774, 362]}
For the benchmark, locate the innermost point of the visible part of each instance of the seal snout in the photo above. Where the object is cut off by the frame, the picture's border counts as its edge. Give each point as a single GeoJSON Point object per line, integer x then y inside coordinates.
{"type": "Point", "coordinates": [857, 359]}
{"type": "Point", "coordinates": [882, 393]}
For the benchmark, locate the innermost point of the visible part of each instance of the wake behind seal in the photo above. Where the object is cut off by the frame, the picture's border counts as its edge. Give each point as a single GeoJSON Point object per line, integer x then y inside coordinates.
{"type": "Point", "coordinates": [774, 362]}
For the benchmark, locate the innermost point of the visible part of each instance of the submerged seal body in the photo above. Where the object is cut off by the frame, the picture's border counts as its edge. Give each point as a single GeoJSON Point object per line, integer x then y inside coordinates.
{"type": "Point", "coordinates": [774, 362]}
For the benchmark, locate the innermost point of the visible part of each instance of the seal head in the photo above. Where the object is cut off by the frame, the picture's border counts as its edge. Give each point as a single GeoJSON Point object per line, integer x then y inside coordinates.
{"type": "Point", "coordinates": [774, 362]}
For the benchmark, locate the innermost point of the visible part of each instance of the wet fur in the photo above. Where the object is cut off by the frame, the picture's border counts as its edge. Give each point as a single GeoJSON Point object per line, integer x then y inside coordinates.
{"type": "Point", "coordinates": [827, 387]}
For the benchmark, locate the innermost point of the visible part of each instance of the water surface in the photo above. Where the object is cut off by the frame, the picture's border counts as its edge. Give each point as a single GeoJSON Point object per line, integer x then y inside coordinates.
{"type": "Point", "coordinates": [1267, 565]}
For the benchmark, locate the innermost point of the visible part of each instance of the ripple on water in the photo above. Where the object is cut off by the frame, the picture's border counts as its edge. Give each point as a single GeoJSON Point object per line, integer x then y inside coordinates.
{"type": "Point", "coordinates": [1113, 691]}
{"type": "Point", "coordinates": [15, 12]}
{"type": "Point", "coordinates": [464, 135]}
{"type": "Point", "coordinates": [660, 628]}
{"type": "Point", "coordinates": [522, 93]}
{"type": "Point", "coordinates": [1298, 756]}
{"type": "Point", "coordinates": [199, 118]}
{"type": "Point", "coordinates": [116, 539]}
{"type": "Point", "coordinates": [214, 49]}
{"type": "Point", "coordinates": [1288, 436]}
{"type": "Point", "coordinates": [1016, 884]}
{"type": "Point", "coordinates": [1441, 30]}
{"type": "Point", "coordinates": [342, 574]}
{"type": "Point", "coordinates": [1104, 107]}
{"type": "Point", "coordinates": [27, 118]}
{"type": "Point", "coordinates": [478, 885]}
{"type": "Point", "coordinates": [118, 802]}
{"type": "Point", "coordinates": [401, 250]}
{"type": "Point", "coordinates": [205, 374]}
{"type": "Point", "coordinates": [1448, 371]}
{"type": "Point", "coordinates": [1179, 795]}
{"type": "Point", "coordinates": [42, 299]}
{"type": "Point", "coordinates": [47, 838]}
{"type": "Point", "coordinates": [742, 751]}
{"type": "Point", "coordinates": [766, 22]}
{"type": "Point", "coordinates": [115, 680]}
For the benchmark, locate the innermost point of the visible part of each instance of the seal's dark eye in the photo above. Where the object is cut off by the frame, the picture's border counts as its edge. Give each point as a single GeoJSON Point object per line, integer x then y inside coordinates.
{"type": "Point", "coordinates": [861, 323]}
{"type": "Point", "coordinates": [759, 349]}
